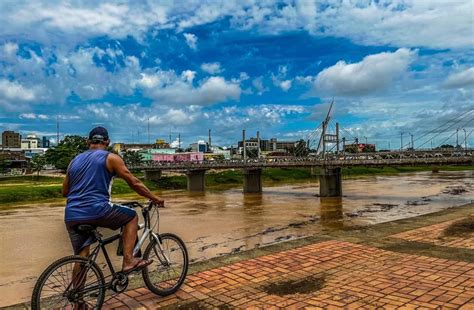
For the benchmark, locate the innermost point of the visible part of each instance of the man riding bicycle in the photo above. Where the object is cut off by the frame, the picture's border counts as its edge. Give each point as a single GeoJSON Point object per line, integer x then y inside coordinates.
{"type": "Point", "coordinates": [87, 187]}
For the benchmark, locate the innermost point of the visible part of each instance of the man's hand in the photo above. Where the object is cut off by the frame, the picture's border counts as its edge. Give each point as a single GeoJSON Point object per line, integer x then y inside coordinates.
{"type": "Point", "coordinates": [160, 203]}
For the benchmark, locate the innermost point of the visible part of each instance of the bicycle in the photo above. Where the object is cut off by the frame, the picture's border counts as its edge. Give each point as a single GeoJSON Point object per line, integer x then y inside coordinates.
{"type": "Point", "coordinates": [79, 282]}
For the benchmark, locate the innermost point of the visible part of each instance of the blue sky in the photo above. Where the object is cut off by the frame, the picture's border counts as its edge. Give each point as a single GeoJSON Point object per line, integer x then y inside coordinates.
{"type": "Point", "coordinates": [187, 66]}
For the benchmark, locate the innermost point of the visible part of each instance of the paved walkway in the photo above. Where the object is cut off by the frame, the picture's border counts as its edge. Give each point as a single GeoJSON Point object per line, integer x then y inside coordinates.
{"type": "Point", "coordinates": [435, 234]}
{"type": "Point", "coordinates": [330, 274]}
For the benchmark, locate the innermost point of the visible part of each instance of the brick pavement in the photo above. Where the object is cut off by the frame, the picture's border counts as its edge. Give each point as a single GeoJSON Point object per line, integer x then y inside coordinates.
{"type": "Point", "coordinates": [350, 276]}
{"type": "Point", "coordinates": [434, 234]}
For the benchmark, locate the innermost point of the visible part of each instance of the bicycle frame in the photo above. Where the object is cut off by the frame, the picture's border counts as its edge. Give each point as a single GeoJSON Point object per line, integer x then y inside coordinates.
{"type": "Point", "coordinates": [147, 233]}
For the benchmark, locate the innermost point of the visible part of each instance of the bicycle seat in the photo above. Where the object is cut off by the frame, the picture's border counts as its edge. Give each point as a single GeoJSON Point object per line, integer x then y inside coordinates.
{"type": "Point", "coordinates": [85, 227]}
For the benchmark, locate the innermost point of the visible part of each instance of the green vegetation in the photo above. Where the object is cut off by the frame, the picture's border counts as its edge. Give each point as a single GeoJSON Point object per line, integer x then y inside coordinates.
{"type": "Point", "coordinates": [29, 180]}
{"type": "Point", "coordinates": [60, 156]}
{"type": "Point", "coordinates": [31, 189]}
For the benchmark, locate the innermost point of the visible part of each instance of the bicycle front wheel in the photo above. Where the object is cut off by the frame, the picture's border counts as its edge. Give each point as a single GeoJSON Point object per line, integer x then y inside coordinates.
{"type": "Point", "coordinates": [71, 282]}
{"type": "Point", "coordinates": [170, 265]}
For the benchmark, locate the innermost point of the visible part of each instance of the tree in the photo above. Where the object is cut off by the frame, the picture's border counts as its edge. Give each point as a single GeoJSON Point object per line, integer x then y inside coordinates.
{"type": "Point", "coordinates": [132, 158]}
{"type": "Point", "coordinates": [37, 163]}
{"type": "Point", "coordinates": [61, 155]}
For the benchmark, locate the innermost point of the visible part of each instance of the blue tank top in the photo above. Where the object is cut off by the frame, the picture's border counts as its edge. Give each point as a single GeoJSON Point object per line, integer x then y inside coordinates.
{"type": "Point", "coordinates": [89, 186]}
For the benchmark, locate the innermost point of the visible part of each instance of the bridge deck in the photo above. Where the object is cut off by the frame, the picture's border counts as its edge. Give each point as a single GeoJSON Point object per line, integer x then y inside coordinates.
{"type": "Point", "coordinates": [300, 162]}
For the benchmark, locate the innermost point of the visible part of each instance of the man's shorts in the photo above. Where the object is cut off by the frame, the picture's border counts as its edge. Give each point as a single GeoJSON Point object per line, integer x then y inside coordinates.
{"type": "Point", "coordinates": [114, 218]}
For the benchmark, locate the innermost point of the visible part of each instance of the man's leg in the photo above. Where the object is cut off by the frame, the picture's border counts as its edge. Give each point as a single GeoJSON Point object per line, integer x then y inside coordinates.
{"type": "Point", "coordinates": [78, 279]}
{"type": "Point", "coordinates": [129, 237]}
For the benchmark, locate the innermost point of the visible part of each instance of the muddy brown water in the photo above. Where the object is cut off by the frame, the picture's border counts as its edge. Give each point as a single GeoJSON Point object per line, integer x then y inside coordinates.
{"type": "Point", "coordinates": [220, 222]}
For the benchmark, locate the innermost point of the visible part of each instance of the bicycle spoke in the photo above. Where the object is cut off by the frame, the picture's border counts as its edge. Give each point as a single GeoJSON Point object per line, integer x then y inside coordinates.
{"type": "Point", "coordinates": [70, 283]}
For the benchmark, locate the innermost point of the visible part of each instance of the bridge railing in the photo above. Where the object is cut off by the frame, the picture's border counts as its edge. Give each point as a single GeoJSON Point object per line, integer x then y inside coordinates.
{"type": "Point", "coordinates": [309, 162]}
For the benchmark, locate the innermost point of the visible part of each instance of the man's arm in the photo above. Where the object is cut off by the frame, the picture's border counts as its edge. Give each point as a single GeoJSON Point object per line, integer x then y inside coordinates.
{"type": "Point", "coordinates": [65, 189]}
{"type": "Point", "coordinates": [115, 164]}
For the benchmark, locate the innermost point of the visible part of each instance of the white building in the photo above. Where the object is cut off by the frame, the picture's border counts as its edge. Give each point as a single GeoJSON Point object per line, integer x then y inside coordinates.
{"type": "Point", "coordinates": [31, 142]}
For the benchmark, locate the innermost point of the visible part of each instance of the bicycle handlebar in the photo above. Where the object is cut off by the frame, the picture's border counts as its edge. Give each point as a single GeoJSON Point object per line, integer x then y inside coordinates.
{"type": "Point", "coordinates": [136, 204]}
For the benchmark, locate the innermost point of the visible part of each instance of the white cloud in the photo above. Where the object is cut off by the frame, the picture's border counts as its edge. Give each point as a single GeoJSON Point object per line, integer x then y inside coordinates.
{"type": "Point", "coordinates": [256, 116]}
{"type": "Point", "coordinates": [33, 116]}
{"type": "Point", "coordinates": [191, 40]}
{"type": "Point", "coordinates": [375, 72]}
{"type": "Point", "coordinates": [165, 87]}
{"type": "Point", "coordinates": [10, 48]}
{"type": "Point", "coordinates": [279, 79]}
{"type": "Point", "coordinates": [188, 76]}
{"type": "Point", "coordinates": [460, 79]}
{"type": "Point", "coordinates": [258, 84]}
{"type": "Point", "coordinates": [211, 68]}
{"type": "Point", "coordinates": [15, 91]}
{"type": "Point", "coordinates": [401, 23]}
{"type": "Point", "coordinates": [76, 21]}
{"type": "Point", "coordinates": [410, 23]}
{"type": "Point", "coordinates": [178, 117]}
{"type": "Point", "coordinates": [285, 85]}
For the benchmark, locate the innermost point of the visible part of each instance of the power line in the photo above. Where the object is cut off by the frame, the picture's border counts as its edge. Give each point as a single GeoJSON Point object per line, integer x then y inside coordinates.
{"type": "Point", "coordinates": [447, 128]}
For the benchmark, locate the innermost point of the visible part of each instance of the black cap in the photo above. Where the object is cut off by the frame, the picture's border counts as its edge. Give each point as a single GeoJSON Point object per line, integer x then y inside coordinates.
{"type": "Point", "coordinates": [98, 134]}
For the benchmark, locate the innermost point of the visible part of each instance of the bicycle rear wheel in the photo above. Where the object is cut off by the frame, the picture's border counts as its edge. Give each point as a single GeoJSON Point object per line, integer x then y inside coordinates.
{"type": "Point", "coordinates": [60, 287]}
{"type": "Point", "coordinates": [166, 275]}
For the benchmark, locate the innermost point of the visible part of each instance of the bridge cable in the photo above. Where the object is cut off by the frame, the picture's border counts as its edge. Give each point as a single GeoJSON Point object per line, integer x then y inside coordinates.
{"type": "Point", "coordinates": [461, 116]}
{"type": "Point", "coordinates": [446, 129]}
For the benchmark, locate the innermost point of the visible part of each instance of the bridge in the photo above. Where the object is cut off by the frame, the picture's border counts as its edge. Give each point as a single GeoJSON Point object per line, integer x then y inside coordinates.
{"type": "Point", "coordinates": [330, 167]}
{"type": "Point", "coordinates": [328, 158]}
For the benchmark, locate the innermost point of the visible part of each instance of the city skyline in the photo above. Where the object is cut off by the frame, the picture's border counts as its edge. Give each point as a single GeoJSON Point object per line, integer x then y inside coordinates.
{"type": "Point", "coordinates": [228, 66]}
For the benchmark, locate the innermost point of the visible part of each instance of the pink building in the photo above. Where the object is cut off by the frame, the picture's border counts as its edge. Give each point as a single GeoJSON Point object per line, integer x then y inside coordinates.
{"type": "Point", "coordinates": [179, 157]}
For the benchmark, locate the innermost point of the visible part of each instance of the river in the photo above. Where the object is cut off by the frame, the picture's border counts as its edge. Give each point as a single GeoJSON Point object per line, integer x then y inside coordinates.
{"type": "Point", "coordinates": [219, 222]}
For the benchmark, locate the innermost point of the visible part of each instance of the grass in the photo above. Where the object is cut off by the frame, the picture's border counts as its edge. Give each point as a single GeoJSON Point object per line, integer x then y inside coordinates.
{"type": "Point", "coordinates": [34, 189]}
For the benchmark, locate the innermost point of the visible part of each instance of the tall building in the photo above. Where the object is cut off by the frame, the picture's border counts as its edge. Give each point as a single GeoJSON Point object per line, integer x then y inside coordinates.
{"type": "Point", "coordinates": [11, 139]}
{"type": "Point", "coordinates": [199, 146]}
{"type": "Point", "coordinates": [45, 142]}
{"type": "Point", "coordinates": [272, 145]}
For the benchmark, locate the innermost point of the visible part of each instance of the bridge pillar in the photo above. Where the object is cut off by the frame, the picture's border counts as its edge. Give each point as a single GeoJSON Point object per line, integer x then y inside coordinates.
{"type": "Point", "coordinates": [253, 180]}
{"type": "Point", "coordinates": [330, 182]}
{"type": "Point", "coordinates": [152, 175]}
{"type": "Point", "coordinates": [196, 180]}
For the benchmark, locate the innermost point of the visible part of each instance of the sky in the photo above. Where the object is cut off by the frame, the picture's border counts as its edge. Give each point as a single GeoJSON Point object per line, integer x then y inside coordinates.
{"type": "Point", "coordinates": [393, 68]}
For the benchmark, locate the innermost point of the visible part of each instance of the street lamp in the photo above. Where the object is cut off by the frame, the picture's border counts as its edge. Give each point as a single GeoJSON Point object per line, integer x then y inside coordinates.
{"type": "Point", "coordinates": [457, 138]}
{"type": "Point", "coordinates": [465, 139]}
{"type": "Point", "coordinates": [401, 141]}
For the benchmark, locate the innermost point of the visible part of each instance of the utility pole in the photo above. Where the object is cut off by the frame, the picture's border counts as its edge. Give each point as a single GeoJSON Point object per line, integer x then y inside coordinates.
{"type": "Point", "coordinates": [244, 145]}
{"type": "Point", "coordinates": [179, 141]}
{"type": "Point", "coordinates": [258, 144]}
{"type": "Point", "coordinates": [401, 141]}
{"type": "Point", "coordinates": [457, 137]}
{"type": "Point", "coordinates": [209, 140]}
{"type": "Point", "coordinates": [324, 143]}
{"type": "Point", "coordinates": [170, 137]}
{"type": "Point", "coordinates": [357, 147]}
{"type": "Point", "coordinates": [57, 129]}
{"type": "Point", "coordinates": [389, 148]}
{"type": "Point", "coordinates": [344, 147]}
{"type": "Point", "coordinates": [366, 140]}
{"type": "Point", "coordinates": [465, 139]}
{"type": "Point", "coordinates": [337, 138]}
{"type": "Point", "coordinates": [148, 130]}
{"type": "Point", "coordinates": [431, 143]}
